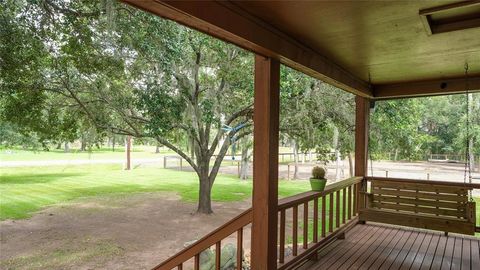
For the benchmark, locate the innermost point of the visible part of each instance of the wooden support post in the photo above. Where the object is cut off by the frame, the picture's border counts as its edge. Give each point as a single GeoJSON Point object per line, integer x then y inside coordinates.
{"type": "Point", "coordinates": [128, 146]}
{"type": "Point", "coordinates": [265, 163]}
{"type": "Point", "coordinates": [362, 114]}
{"type": "Point", "coordinates": [164, 162]}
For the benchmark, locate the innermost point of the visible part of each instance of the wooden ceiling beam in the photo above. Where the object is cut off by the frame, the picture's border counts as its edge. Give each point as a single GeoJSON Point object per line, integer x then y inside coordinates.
{"type": "Point", "coordinates": [228, 22]}
{"type": "Point", "coordinates": [427, 88]}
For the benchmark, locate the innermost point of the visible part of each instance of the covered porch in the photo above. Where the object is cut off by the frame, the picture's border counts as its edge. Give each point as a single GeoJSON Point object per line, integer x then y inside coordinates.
{"type": "Point", "coordinates": [377, 51]}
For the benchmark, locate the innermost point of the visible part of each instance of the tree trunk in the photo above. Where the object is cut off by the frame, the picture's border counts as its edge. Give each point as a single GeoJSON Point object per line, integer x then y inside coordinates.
{"type": "Point", "coordinates": [337, 153]}
{"type": "Point", "coordinates": [337, 162]}
{"type": "Point", "coordinates": [83, 145]}
{"type": "Point", "coordinates": [192, 148]}
{"type": "Point", "coordinates": [205, 187]}
{"type": "Point", "coordinates": [66, 148]}
{"type": "Point", "coordinates": [395, 157]}
{"type": "Point", "coordinates": [128, 146]}
{"type": "Point", "coordinates": [244, 165]}
{"type": "Point", "coordinates": [295, 159]}
{"type": "Point", "coordinates": [157, 149]}
{"type": "Point", "coordinates": [113, 144]}
{"type": "Point", "coordinates": [59, 146]}
{"type": "Point", "coordinates": [204, 200]}
{"type": "Point", "coordinates": [350, 163]}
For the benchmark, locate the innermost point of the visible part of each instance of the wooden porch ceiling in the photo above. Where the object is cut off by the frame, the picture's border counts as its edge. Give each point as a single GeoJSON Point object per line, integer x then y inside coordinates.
{"type": "Point", "coordinates": [373, 49]}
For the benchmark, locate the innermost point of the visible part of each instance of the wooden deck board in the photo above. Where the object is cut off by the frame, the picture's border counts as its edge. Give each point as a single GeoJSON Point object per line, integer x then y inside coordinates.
{"type": "Point", "coordinates": [376, 246]}
{"type": "Point", "coordinates": [375, 250]}
{"type": "Point", "coordinates": [430, 254]}
{"type": "Point", "coordinates": [391, 252]}
{"type": "Point", "coordinates": [447, 256]}
{"type": "Point", "coordinates": [439, 252]}
{"type": "Point", "coordinates": [339, 253]}
{"type": "Point", "coordinates": [364, 250]}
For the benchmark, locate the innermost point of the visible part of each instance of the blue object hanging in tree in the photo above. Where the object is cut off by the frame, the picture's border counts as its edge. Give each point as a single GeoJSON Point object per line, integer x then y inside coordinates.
{"type": "Point", "coordinates": [234, 138]}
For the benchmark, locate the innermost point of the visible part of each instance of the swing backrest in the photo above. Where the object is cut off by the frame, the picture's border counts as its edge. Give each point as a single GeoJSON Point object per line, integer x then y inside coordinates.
{"type": "Point", "coordinates": [421, 204]}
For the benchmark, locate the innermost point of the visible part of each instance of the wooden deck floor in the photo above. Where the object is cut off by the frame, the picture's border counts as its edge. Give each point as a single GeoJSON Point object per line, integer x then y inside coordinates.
{"type": "Point", "coordinates": [375, 246]}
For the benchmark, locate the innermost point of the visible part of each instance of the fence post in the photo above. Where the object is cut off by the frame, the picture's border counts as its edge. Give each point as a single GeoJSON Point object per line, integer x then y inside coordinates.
{"type": "Point", "coordinates": [164, 162]}
{"type": "Point", "coordinates": [428, 176]}
{"type": "Point", "coordinates": [238, 168]}
{"type": "Point", "coordinates": [288, 171]}
{"type": "Point", "coordinates": [386, 174]}
{"type": "Point", "coordinates": [181, 166]}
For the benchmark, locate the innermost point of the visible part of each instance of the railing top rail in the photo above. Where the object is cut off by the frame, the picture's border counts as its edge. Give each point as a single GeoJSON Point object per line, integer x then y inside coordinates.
{"type": "Point", "coordinates": [427, 182]}
{"type": "Point", "coordinates": [301, 198]}
{"type": "Point", "coordinates": [207, 241]}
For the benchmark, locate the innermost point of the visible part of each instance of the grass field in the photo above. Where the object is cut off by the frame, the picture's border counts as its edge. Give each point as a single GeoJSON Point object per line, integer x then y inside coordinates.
{"type": "Point", "coordinates": [23, 191]}
{"type": "Point", "coordinates": [29, 189]}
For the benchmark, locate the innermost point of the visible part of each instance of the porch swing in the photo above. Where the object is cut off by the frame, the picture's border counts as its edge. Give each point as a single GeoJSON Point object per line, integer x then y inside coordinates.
{"type": "Point", "coordinates": [434, 205]}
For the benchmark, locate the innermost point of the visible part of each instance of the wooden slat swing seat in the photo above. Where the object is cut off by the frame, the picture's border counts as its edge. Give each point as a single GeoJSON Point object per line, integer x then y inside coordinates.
{"type": "Point", "coordinates": [432, 205]}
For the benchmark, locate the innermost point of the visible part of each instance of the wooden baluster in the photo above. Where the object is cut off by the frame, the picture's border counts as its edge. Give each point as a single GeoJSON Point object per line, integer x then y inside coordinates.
{"type": "Point", "coordinates": [324, 220]}
{"type": "Point", "coordinates": [180, 266]}
{"type": "Point", "coordinates": [196, 263]}
{"type": "Point", "coordinates": [305, 225]}
{"type": "Point", "coordinates": [218, 254]}
{"type": "Point", "coordinates": [295, 227]}
{"type": "Point", "coordinates": [281, 257]}
{"type": "Point", "coordinates": [330, 220]}
{"type": "Point", "coordinates": [349, 202]}
{"type": "Point", "coordinates": [337, 210]}
{"type": "Point", "coordinates": [315, 220]}
{"type": "Point", "coordinates": [239, 248]}
{"type": "Point", "coordinates": [355, 199]}
{"type": "Point", "coordinates": [344, 205]}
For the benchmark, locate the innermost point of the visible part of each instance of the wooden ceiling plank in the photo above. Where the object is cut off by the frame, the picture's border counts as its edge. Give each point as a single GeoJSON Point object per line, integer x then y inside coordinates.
{"type": "Point", "coordinates": [427, 88]}
{"type": "Point", "coordinates": [223, 21]}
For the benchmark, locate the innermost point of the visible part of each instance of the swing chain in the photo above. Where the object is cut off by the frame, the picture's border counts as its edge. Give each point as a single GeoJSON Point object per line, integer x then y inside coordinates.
{"type": "Point", "coordinates": [467, 149]}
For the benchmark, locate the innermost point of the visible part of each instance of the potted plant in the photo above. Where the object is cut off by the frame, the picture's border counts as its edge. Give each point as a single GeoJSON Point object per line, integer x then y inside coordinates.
{"type": "Point", "coordinates": [318, 181]}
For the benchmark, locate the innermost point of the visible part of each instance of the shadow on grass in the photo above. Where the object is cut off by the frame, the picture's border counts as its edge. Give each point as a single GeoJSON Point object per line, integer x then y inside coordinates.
{"type": "Point", "coordinates": [21, 179]}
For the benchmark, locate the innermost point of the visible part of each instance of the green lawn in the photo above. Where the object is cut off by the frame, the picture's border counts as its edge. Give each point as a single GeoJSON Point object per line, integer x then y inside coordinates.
{"type": "Point", "coordinates": [28, 189]}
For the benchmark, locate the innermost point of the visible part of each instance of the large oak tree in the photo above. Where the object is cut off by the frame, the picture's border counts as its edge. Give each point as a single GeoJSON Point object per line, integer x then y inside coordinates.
{"type": "Point", "coordinates": [127, 72]}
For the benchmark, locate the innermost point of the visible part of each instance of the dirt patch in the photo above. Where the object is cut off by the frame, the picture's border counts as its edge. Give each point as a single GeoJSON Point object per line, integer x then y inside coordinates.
{"type": "Point", "coordinates": [114, 232]}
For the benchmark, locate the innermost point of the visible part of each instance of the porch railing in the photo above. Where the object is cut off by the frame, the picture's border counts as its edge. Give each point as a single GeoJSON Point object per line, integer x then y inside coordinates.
{"type": "Point", "coordinates": [339, 208]}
